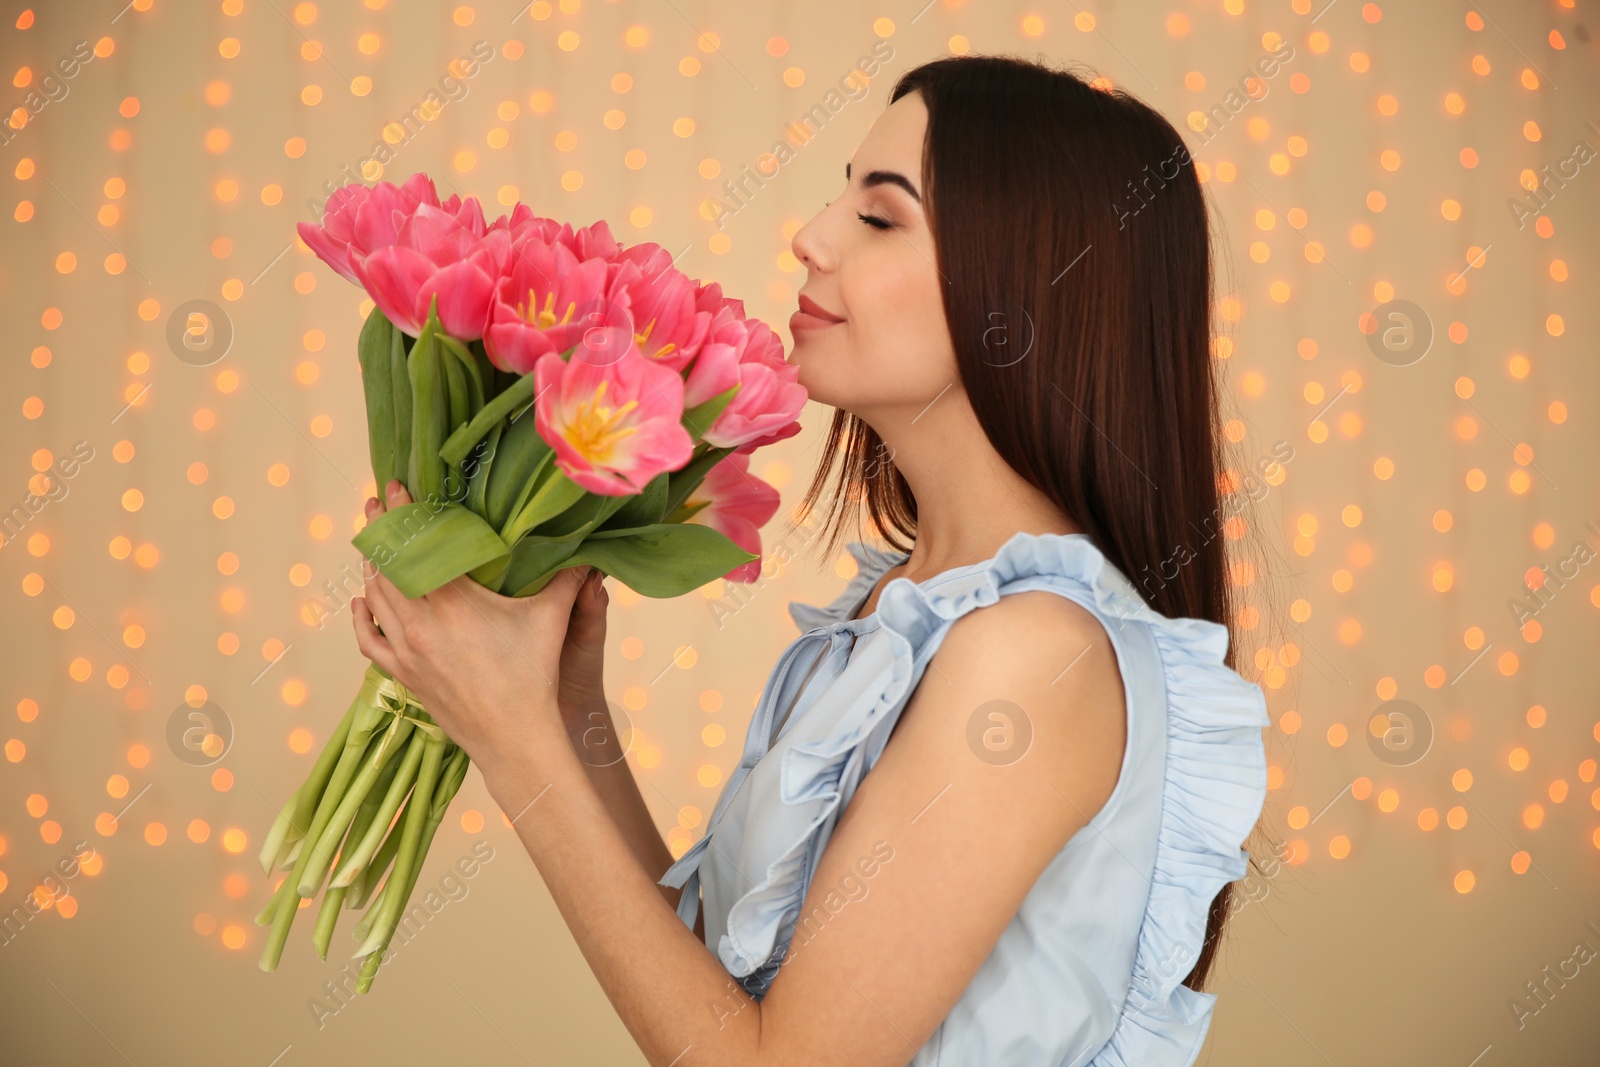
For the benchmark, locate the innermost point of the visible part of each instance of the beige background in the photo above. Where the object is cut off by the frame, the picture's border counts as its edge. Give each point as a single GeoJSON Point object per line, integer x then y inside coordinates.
{"type": "Point", "coordinates": [174, 169]}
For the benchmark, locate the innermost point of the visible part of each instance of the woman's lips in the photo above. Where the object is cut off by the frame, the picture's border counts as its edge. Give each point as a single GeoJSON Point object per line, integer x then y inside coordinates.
{"type": "Point", "coordinates": [812, 316]}
{"type": "Point", "coordinates": [800, 320]}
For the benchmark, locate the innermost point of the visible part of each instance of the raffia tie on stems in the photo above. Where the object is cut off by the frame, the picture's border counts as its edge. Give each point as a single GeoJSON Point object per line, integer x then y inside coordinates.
{"type": "Point", "coordinates": [390, 694]}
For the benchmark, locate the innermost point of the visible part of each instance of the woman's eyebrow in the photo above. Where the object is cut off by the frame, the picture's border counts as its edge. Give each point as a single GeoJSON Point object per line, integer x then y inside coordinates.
{"type": "Point", "coordinates": [885, 177]}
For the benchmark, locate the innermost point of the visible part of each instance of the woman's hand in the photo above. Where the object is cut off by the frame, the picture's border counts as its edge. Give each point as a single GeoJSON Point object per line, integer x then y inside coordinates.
{"type": "Point", "coordinates": [487, 667]}
{"type": "Point", "coordinates": [581, 698]}
{"type": "Point", "coordinates": [582, 684]}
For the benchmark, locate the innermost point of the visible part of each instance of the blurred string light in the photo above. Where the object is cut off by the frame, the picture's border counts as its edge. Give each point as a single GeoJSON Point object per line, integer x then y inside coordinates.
{"type": "Point", "coordinates": [1362, 236]}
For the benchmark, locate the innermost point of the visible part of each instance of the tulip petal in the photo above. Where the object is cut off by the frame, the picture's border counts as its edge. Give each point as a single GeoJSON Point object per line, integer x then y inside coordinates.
{"type": "Point", "coordinates": [393, 277]}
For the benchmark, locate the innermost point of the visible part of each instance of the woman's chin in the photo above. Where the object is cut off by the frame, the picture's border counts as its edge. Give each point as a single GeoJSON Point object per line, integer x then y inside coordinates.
{"type": "Point", "coordinates": [808, 377]}
{"type": "Point", "coordinates": [823, 369]}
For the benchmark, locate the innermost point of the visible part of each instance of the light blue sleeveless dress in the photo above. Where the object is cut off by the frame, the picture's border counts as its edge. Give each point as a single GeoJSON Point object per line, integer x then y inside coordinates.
{"type": "Point", "coordinates": [1089, 970]}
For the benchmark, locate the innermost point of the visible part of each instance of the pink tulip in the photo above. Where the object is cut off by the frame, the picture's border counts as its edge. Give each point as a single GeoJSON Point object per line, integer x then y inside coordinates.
{"type": "Point", "coordinates": [523, 224]}
{"type": "Point", "coordinates": [359, 220]}
{"type": "Point", "coordinates": [614, 421]}
{"type": "Point", "coordinates": [782, 433]}
{"type": "Point", "coordinates": [545, 303]}
{"type": "Point", "coordinates": [715, 371]}
{"type": "Point", "coordinates": [740, 504]}
{"type": "Point", "coordinates": [770, 396]}
{"type": "Point", "coordinates": [668, 327]}
{"type": "Point", "coordinates": [595, 242]}
{"type": "Point", "coordinates": [438, 253]}
{"type": "Point", "coordinates": [590, 242]}
{"type": "Point", "coordinates": [709, 298]}
{"type": "Point", "coordinates": [521, 216]}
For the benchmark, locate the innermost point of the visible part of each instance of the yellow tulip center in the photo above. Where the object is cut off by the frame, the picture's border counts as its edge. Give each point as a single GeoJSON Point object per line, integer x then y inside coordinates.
{"type": "Point", "coordinates": [593, 430]}
{"type": "Point", "coordinates": [643, 341]}
{"type": "Point", "coordinates": [543, 317]}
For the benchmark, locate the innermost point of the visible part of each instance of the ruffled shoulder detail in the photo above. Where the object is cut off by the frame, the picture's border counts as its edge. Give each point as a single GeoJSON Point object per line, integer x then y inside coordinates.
{"type": "Point", "coordinates": [1213, 790]}
{"type": "Point", "coordinates": [1214, 785]}
{"type": "Point", "coordinates": [871, 563]}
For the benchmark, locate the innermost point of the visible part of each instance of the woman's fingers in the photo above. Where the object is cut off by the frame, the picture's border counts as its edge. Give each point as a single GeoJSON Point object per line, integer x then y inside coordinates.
{"type": "Point", "coordinates": [389, 606]}
{"type": "Point", "coordinates": [591, 599]}
{"type": "Point", "coordinates": [372, 644]}
{"type": "Point", "coordinates": [383, 602]}
{"type": "Point", "coordinates": [396, 495]}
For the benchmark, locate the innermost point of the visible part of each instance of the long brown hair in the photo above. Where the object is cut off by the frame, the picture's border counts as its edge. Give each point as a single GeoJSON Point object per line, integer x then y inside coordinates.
{"type": "Point", "coordinates": [1071, 235]}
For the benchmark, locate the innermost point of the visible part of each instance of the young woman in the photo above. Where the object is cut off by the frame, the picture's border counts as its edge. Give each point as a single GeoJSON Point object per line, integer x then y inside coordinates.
{"type": "Point", "coordinates": [993, 795]}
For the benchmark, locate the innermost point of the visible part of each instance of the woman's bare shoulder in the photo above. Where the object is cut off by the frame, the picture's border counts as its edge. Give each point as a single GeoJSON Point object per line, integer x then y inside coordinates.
{"type": "Point", "coordinates": [1039, 669]}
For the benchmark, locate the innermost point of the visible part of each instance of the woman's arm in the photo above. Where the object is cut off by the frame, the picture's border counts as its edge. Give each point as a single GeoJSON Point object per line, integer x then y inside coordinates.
{"type": "Point", "coordinates": [671, 993]}
{"type": "Point", "coordinates": [600, 750]}
{"type": "Point", "coordinates": [947, 843]}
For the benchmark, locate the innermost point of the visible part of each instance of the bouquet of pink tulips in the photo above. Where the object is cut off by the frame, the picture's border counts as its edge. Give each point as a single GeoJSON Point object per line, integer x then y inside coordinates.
{"type": "Point", "coordinates": [647, 390]}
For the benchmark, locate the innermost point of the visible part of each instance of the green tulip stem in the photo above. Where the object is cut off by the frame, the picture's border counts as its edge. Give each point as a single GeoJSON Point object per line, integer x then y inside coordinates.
{"type": "Point", "coordinates": [264, 916]}
{"type": "Point", "coordinates": [416, 816]}
{"type": "Point", "coordinates": [450, 779]}
{"type": "Point", "coordinates": [322, 934]}
{"type": "Point", "coordinates": [297, 813]}
{"type": "Point", "coordinates": [355, 745]}
{"type": "Point", "coordinates": [459, 443]}
{"type": "Point", "coordinates": [367, 845]}
{"type": "Point", "coordinates": [371, 766]}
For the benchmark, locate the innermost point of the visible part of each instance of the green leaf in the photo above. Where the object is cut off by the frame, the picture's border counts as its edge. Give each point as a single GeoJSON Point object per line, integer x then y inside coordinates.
{"type": "Point", "coordinates": [429, 412]}
{"type": "Point", "coordinates": [520, 456]}
{"type": "Point", "coordinates": [587, 514]}
{"type": "Point", "coordinates": [455, 379]}
{"type": "Point", "coordinates": [476, 385]}
{"type": "Point", "coordinates": [400, 378]}
{"type": "Point", "coordinates": [536, 556]}
{"type": "Point", "coordinates": [698, 419]}
{"type": "Point", "coordinates": [477, 467]}
{"type": "Point", "coordinates": [492, 413]}
{"type": "Point", "coordinates": [377, 338]}
{"type": "Point", "coordinates": [459, 389]}
{"type": "Point", "coordinates": [488, 373]}
{"type": "Point", "coordinates": [556, 493]}
{"type": "Point", "coordinates": [687, 512]}
{"type": "Point", "coordinates": [420, 547]}
{"type": "Point", "coordinates": [641, 509]}
{"type": "Point", "coordinates": [489, 574]}
{"type": "Point", "coordinates": [693, 473]}
{"type": "Point", "coordinates": [661, 561]}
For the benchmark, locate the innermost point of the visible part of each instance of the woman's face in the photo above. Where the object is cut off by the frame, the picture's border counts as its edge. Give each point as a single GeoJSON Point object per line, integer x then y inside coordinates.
{"type": "Point", "coordinates": [892, 348]}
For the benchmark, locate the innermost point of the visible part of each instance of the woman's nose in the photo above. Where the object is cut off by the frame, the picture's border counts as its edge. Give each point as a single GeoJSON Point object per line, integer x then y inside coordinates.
{"type": "Point", "coordinates": [808, 248]}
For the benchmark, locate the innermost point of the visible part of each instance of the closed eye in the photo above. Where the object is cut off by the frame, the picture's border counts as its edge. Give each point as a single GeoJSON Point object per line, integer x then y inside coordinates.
{"type": "Point", "coordinates": [871, 220]}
